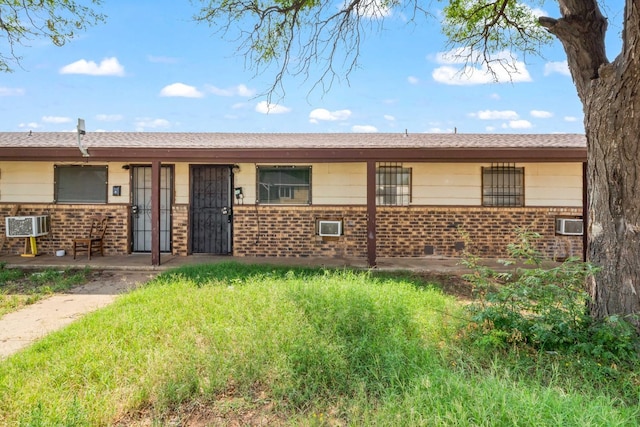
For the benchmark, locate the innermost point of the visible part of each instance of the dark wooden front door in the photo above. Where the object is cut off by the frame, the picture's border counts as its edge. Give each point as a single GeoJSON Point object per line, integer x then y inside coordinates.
{"type": "Point", "coordinates": [211, 209]}
{"type": "Point", "coordinates": [141, 208]}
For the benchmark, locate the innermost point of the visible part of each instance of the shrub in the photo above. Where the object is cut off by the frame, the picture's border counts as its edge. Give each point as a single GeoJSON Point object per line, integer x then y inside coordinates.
{"type": "Point", "coordinates": [545, 309]}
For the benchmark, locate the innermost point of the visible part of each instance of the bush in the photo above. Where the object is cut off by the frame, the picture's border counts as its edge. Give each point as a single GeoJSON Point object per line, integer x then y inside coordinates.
{"type": "Point", "coordinates": [543, 309]}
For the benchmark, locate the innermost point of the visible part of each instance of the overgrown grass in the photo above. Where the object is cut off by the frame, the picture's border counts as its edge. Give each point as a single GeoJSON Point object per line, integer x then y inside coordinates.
{"type": "Point", "coordinates": [19, 288]}
{"type": "Point", "coordinates": [321, 347]}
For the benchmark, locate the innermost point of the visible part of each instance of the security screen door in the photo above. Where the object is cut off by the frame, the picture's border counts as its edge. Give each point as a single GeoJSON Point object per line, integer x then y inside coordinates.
{"type": "Point", "coordinates": [141, 208]}
{"type": "Point", "coordinates": [211, 209]}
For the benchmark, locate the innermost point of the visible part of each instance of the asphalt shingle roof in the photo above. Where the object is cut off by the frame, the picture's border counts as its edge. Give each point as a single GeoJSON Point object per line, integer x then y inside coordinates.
{"type": "Point", "coordinates": [263, 141]}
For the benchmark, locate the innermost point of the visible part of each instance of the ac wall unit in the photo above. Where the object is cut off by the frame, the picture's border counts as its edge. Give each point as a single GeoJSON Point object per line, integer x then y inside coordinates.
{"type": "Point", "coordinates": [330, 228]}
{"type": "Point", "coordinates": [569, 226]}
{"type": "Point", "coordinates": [27, 226]}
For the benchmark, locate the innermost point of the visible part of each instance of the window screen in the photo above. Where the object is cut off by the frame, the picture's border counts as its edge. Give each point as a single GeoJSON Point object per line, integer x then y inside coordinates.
{"type": "Point", "coordinates": [393, 184]}
{"type": "Point", "coordinates": [284, 185]}
{"type": "Point", "coordinates": [502, 185]}
{"type": "Point", "coordinates": [80, 184]}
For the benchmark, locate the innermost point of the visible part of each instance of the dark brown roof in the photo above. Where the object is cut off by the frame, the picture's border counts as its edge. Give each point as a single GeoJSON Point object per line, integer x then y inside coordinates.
{"type": "Point", "coordinates": [236, 147]}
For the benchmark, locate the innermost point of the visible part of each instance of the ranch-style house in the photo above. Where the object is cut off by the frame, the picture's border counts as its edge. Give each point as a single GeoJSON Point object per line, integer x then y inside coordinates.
{"type": "Point", "coordinates": [298, 195]}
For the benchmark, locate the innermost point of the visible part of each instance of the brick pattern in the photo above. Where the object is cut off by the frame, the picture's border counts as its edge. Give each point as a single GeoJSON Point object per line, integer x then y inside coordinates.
{"type": "Point", "coordinates": [67, 222]}
{"type": "Point", "coordinates": [418, 231]}
{"type": "Point", "coordinates": [290, 231]}
{"type": "Point", "coordinates": [180, 230]}
{"type": "Point", "coordinates": [415, 231]}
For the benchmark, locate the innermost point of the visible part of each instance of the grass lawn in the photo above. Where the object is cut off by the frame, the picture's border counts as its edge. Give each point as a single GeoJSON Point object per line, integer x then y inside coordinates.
{"type": "Point", "coordinates": [19, 288]}
{"type": "Point", "coordinates": [231, 344]}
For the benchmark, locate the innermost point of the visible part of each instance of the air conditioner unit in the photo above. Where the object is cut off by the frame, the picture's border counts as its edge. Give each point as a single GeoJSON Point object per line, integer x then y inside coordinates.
{"type": "Point", "coordinates": [330, 228]}
{"type": "Point", "coordinates": [569, 226]}
{"type": "Point", "coordinates": [27, 226]}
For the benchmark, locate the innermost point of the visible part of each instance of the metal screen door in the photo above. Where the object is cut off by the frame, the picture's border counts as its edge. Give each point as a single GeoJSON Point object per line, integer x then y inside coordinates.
{"type": "Point", "coordinates": [211, 209]}
{"type": "Point", "coordinates": [141, 208]}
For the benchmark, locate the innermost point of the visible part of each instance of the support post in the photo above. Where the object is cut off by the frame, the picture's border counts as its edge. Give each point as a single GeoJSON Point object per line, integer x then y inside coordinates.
{"type": "Point", "coordinates": [371, 213]}
{"type": "Point", "coordinates": [155, 212]}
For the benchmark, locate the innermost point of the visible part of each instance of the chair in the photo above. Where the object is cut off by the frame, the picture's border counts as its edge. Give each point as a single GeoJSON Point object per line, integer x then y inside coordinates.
{"type": "Point", "coordinates": [94, 239]}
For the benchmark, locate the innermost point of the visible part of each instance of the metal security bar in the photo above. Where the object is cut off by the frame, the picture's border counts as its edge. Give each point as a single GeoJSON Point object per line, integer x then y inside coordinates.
{"type": "Point", "coordinates": [393, 184]}
{"type": "Point", "coordinates": [503, 185]}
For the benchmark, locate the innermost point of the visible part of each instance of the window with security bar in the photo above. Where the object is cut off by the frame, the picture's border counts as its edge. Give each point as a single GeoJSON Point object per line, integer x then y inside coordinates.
{"type": "Point", "coordinates": [503, 185]}
{"type": "Point", "coordinates": [393, 184]}
{"type": "Point", "coordinates": [284, 185]}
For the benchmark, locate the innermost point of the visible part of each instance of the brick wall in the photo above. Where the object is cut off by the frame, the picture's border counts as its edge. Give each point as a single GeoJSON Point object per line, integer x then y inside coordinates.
{"type": "Point", "coordinates": [180, 230]}
{"type": "Point", "coordinates": [290, 231]}
{"type": "Point", "coordinates": [67, 222]}
{"type": "Point", "coordinates": [416, 231]}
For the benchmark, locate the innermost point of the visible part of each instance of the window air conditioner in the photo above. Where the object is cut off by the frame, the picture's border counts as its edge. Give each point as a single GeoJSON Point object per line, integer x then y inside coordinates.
{"type": "Point", "coordinates": [27, 226]}
{"type": "Point", "coordinates": [330, 228]}
{"type": "Point", "coordinates": [569, 226]}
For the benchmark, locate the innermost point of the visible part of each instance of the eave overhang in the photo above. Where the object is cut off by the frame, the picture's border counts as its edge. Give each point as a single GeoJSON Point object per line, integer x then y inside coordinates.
{"type": "Point", "coordinates": [294, 155]}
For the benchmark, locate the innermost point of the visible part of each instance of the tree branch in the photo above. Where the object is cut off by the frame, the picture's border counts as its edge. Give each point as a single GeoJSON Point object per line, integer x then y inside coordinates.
{"type": "Point", "coordinates": [581, 30]}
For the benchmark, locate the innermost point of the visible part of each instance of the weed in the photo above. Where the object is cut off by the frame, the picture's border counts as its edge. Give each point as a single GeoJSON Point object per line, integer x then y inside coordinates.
{"type": "Point", "coordinates": [544, 309]}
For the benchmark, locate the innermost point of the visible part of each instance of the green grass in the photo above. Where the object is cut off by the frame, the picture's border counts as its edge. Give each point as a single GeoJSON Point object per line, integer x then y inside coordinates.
{"type": "Point", "coordinates": [304, 347]}
{"type": "Point", "coordinates": [19, 288]}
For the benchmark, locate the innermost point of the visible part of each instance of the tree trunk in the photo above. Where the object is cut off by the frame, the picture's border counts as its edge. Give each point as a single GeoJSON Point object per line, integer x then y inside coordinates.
{"type": "Point", "coordinates": [613, 136]}
{"type": "Point", "coordinates": [610, 96]}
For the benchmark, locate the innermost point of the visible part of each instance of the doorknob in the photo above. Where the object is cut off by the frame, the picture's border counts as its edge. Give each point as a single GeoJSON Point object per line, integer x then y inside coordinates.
{"type": "Point", "coordinates": [225, 210]}
{"type": "Point", "coordinates": [134, 210]}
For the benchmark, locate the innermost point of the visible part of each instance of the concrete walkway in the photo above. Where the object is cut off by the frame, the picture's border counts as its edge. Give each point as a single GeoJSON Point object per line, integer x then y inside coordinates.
{"type": "Point", "coordinates": [20, 328]}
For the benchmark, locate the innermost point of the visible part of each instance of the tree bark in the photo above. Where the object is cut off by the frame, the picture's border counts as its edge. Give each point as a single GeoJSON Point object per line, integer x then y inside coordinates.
{"type": "Point", "coordinates": [610, 94]}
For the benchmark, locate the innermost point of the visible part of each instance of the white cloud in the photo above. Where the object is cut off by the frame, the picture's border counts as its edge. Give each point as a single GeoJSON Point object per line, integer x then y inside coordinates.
{"type": "Point", "coordinates": [413, 80]}
{"type": "Point", "coordinates": [457, 70]}
{"type": "Point", "coordinates": [375, 9]}
{"type": "Point", "coordinates": [560, 67]}
{"type": "Point", "coordinates": [439, 130]}
{"type": "Point", "coordinates": [31, 125]}
{"type": "Point", "coordinates": [239, 90]}
{"type": "Point", "coordinates": [181, 90]}
{"type": "Point", "coordinates": [321, 114]}
{"type": "Point", "coordinates": [107, 67]}
{"type": "Point", "coordinates": [56, 119]}
{"type": "Point", "coordinates": [389, 117]}
{"type": "Point", "coordinates": [240, 106]}
{"type": "Point", "coordinates": [145, 123]}
{"type": "Point", "coordinates": [109, 117]}
{"type": "Point", "coordinates": [537, 12]}
{"type": "Point", "coordinates": [264, 107]}
{"type": "Point", "coordinates": [364, 129]}
{"type": "Point", "coordinates": [10, 91]}
{"type": "Point", "coordinates": [490, 128]}
{"type": "Point", "coordinates": [540, 114]}
{"type": "Point", "coordinates": [495, 115]}
{"type": "Point", "coordinates": [495, 96]}
{"type": "Point", "coordinates": [518, 124]}
{"type": "Point", "coordinates": [570, 119]}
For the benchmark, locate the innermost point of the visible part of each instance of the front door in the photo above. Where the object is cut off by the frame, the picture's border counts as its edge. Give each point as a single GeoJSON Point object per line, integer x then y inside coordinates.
{"type": "Point", "coordinates": [141, 208]}
{"type": "Point", "coordinates": [211, 209]}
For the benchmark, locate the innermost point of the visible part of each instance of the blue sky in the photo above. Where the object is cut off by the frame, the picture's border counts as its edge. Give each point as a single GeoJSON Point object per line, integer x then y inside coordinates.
{"type": "Point", "coordinates": [151, 68]}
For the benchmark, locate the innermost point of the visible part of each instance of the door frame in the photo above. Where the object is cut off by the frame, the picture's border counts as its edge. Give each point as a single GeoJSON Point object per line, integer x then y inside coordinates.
{"type": "Point", "coordinates": [229, 202]}
{"type": "Point", "coordinates": [171, 201]}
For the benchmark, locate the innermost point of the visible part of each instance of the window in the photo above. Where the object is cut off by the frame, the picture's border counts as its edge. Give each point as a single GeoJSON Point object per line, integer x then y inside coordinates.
{"type": "Point", "coordinates": [503, 185]}
{"type": "Point", "coordinates": [284, 185]}
{"type": "Point", "coordinates": [80, 184]}
{"type": "Point", "coordinates": [393, 185]}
